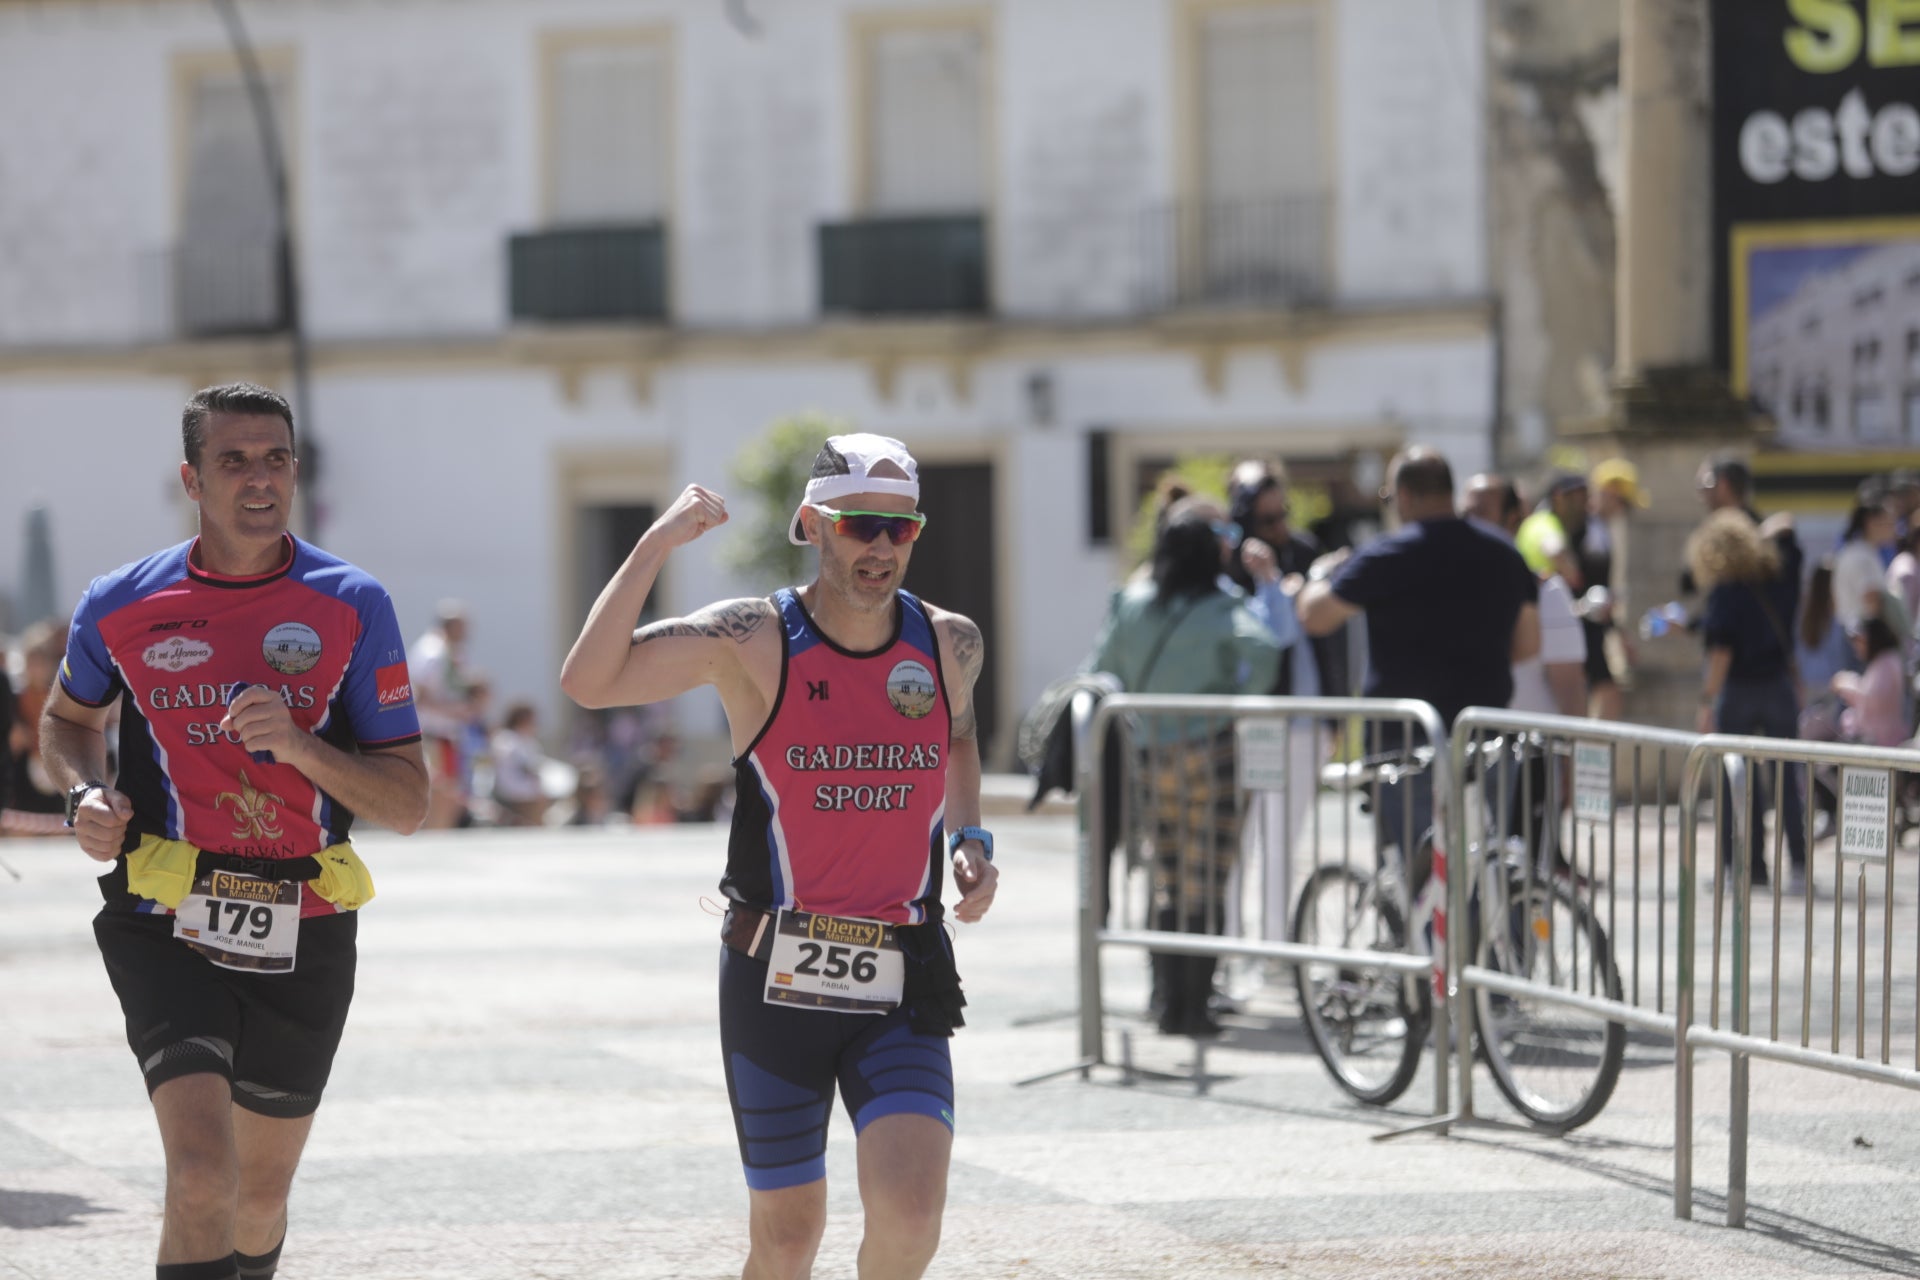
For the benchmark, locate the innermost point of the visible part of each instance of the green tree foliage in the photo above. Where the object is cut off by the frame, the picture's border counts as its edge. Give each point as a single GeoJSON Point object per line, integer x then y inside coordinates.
{"type": "Point", "coordinates": [769, 476]}
{"type": "Point", "coordinates": [1203, 475]}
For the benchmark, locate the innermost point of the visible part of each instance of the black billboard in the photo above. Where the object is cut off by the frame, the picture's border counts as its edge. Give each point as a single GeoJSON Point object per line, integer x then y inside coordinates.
{"type": "Point", "coordinates": [1816, 141]}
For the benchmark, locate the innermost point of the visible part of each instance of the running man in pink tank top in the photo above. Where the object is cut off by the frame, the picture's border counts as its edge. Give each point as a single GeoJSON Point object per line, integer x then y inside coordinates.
{"type": "Point", "coordinates": [850, 704]}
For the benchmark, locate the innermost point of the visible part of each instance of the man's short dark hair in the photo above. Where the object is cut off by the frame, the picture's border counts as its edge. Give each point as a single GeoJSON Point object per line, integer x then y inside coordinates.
{"type": "Point", "coordinates": [229, 397]}
{"type": "Point", "coordinates": [1422, 472]}
{"type": "Point", "coordinates": [1509, 501]}
{"type": "Point", "coordinates": [1733, 469]}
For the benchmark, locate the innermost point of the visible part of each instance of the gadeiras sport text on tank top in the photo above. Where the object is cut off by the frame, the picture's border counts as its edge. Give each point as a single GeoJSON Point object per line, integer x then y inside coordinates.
{"type": "Point", "coordinates": [842, 796]}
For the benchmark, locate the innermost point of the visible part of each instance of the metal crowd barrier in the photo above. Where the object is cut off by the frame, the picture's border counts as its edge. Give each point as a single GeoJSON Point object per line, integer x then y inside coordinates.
{"type": "Point", "coordinates": [1190, 766]}
{"type": "Point", "coordinates": [1841, 956]}
{"type": "Point", "coordinates": [1572, 888]}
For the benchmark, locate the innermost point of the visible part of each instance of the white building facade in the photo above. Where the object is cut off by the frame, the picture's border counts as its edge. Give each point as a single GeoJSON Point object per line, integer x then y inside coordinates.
{"type": "Point", "coordinates": [1837, 362]}
{"type": "Point", "coordinates": [560, 258]}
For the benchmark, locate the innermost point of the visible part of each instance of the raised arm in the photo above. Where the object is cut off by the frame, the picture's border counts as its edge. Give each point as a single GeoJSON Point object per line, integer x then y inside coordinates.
{"type": "Point", "coordinates": [962, 655]}
{"type": "Point", "coordinates": [613, 665]}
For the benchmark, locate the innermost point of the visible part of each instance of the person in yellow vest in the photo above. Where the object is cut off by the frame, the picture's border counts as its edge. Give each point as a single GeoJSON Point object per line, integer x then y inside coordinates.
{"type": "Point", "coordinates": [1549, 539]}
{"type": "Point", "coordinates": [1616, 492]}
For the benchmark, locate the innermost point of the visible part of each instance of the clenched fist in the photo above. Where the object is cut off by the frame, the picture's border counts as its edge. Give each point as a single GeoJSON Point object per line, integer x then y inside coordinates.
{"type": "Point", "coordinates": [695, 511]}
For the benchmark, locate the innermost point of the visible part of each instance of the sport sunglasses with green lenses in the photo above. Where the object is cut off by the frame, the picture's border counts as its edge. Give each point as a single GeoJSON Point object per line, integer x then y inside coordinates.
{"type": "Point", "coordinates": [865, 526]}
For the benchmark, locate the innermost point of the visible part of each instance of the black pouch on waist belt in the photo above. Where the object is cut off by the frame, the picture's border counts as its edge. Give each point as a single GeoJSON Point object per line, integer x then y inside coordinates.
{"type": "Point", "coordinates": [307, 868]}
{"type": "Point", "coordinates": [932, 992]}
{"type": "Point", "coordinates": [748, 930]}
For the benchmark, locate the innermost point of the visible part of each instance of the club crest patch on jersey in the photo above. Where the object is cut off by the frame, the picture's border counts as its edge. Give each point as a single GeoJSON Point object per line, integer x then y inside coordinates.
{"type": "Point", "coordinates": [910, 689]}
{"type": "Point", "coordinates": [292, 648]}
{"type": "Point", "coordinates": [176, 654]}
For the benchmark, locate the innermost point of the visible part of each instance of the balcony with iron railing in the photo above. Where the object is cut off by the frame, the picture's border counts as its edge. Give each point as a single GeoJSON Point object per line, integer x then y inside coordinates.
{"type": "Point", "coordinates": [1268, 254]}
{"type": "Point", "coordinates": [604, 274]}
{"type": "Point", "coordinates": [904, 265]}
{"type": "Point", "coordinates": [223, 288]}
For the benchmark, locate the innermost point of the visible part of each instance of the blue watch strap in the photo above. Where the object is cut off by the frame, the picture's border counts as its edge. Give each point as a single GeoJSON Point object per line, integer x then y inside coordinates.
{"type": "Point", "coordinates": [985, 837]}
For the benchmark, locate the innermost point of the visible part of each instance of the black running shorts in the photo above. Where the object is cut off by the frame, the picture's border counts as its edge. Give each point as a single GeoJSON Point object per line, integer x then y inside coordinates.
{"type": "Point", "coordinates": [273, 1035]}
{"type": "Point", "coordinates": [783, 1063]}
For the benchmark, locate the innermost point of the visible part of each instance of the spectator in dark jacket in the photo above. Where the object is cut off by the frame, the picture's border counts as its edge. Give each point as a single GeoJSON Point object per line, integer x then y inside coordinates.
{"type": "Point", "coordinates": [1749, 684]}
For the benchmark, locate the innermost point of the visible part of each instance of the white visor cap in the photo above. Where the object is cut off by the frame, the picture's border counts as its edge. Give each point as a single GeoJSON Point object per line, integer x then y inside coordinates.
{"type": "Point", "coordinates": [844, 466]}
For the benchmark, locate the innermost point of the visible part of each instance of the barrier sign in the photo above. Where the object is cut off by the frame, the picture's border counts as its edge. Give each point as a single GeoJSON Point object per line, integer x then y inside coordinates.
{"type": "Point", "coordinates": [1863, 812]}
{"type": "Point", "coordinates": [1592, 782]}
{"type": "Point", "coordinates": [1260, 758]}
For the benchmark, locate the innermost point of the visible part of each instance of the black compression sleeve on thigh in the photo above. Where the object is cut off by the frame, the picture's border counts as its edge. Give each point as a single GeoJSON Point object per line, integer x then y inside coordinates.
{"type": "Point", "coordinates": [218, 1269]}
{"type": "Point", "coordinates": [258, 1266]}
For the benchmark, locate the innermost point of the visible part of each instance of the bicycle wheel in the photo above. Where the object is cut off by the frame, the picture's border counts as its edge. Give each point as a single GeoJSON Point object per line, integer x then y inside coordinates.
{"type": "Point", "coordinates": [1556, 1064]}
{"type": "Point", "coordinates": [1367, 1026]}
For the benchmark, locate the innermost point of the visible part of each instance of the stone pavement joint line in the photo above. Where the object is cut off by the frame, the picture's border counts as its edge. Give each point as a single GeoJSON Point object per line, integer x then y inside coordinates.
{"type": "Point", "coordinates": [531, 1086]}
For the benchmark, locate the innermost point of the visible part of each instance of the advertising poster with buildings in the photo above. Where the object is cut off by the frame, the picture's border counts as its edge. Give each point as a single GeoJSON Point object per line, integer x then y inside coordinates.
{"type": "Point", "coordinates": [1817, 217]}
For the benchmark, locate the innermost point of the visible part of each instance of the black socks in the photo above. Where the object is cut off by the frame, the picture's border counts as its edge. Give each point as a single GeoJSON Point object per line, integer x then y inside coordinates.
{"type": "Point", "coordinates": [219, 1269]}
{"type": "Point", "coordinates": [235, 1266]}
{"type": "Point", "coordinates": [258, 1266]}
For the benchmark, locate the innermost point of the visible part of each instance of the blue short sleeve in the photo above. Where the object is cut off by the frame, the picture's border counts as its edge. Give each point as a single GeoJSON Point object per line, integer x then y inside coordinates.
{"type": "Point", "coordinates": [1720, 623]}
{"type": "Point", "coordinates": [87, 672]}
{"type": "Point", "coordinates": [1368, 576]}
{"type": "Point", "coordinates": [378, 690]}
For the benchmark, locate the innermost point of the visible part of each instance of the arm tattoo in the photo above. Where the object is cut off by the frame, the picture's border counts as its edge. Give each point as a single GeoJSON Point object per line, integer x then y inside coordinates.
{"type": "Point", "coordinates": [965, 725]}
{"type": "Point", "coordinates": [736, 621]}
{"type": "Point", "coordinates": [967, 649]}
{"type": "Point", "coordinates": [969, 653]}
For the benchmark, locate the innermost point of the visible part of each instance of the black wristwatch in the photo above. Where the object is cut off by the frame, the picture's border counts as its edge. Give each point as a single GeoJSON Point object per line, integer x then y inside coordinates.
{"type": "Point", "coordinates": [957, 838]}
{"type": "Point", "coordinates": [78, 792]}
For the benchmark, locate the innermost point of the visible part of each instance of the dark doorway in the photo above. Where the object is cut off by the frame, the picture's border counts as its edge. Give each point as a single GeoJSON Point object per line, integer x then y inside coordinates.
{"type": "Point", "coordinates": [953, 566]}
{"type": "Point", "coordinates": [604, 535]}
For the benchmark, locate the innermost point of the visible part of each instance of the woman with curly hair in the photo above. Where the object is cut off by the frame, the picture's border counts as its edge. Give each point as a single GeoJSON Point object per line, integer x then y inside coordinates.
{"type": "Point", "coordinates": [1749, 683]}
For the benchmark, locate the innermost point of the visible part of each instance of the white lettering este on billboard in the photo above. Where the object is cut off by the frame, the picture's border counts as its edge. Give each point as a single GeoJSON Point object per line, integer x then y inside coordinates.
{"type": "Point", "coordinates": [1818, 144]}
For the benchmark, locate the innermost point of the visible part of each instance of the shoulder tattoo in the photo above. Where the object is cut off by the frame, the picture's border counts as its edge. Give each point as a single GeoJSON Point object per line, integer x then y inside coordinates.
{"type": "Point", "coordinates": [968, 649]}
{"type": "Point", "coordinates": [737, 620]}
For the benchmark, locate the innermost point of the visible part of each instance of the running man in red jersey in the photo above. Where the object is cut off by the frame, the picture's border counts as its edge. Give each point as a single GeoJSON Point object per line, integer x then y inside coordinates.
{"type": "Point", "coordinates": [264, 703]}
{"type": "Point", "coordinates": [850, 704]}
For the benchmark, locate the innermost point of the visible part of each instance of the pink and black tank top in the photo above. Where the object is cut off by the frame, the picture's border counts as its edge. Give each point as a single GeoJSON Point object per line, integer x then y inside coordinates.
{"type": "Point", "coordinates": [841, 798]}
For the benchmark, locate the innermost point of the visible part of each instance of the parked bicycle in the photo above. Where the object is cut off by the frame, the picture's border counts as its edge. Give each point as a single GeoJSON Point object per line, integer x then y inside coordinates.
{"type": "Point", "coordinates": [1556, 1065]}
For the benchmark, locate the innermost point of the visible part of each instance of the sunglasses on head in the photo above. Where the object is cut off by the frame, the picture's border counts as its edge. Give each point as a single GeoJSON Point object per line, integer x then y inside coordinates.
{"type": "Point", "coordinates": [865, 526]}
{"type": "Point", "coordinates": [1227, 531]}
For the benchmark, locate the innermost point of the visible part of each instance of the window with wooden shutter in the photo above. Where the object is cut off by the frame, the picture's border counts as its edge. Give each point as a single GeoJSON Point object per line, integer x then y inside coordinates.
{"type": "Point", "coordinates": [925, 120]}
{"type": "Point", "coordinates": [609, 143]}
{"type": "Point", "coordinates": [1261, 194]}
{"type": "Point", "coordinates": [227, 267]}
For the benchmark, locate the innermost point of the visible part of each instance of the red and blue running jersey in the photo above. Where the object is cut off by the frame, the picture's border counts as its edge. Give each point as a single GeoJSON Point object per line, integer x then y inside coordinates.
{"type": "Point", "coordinates": [841, 799]}
{"type": "Point", "coordinates": [172, 642]}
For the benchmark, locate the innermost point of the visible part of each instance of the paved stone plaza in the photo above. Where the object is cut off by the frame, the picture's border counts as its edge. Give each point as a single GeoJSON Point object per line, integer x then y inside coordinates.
{"type": "Point", "coordinates": [531, 1086]}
